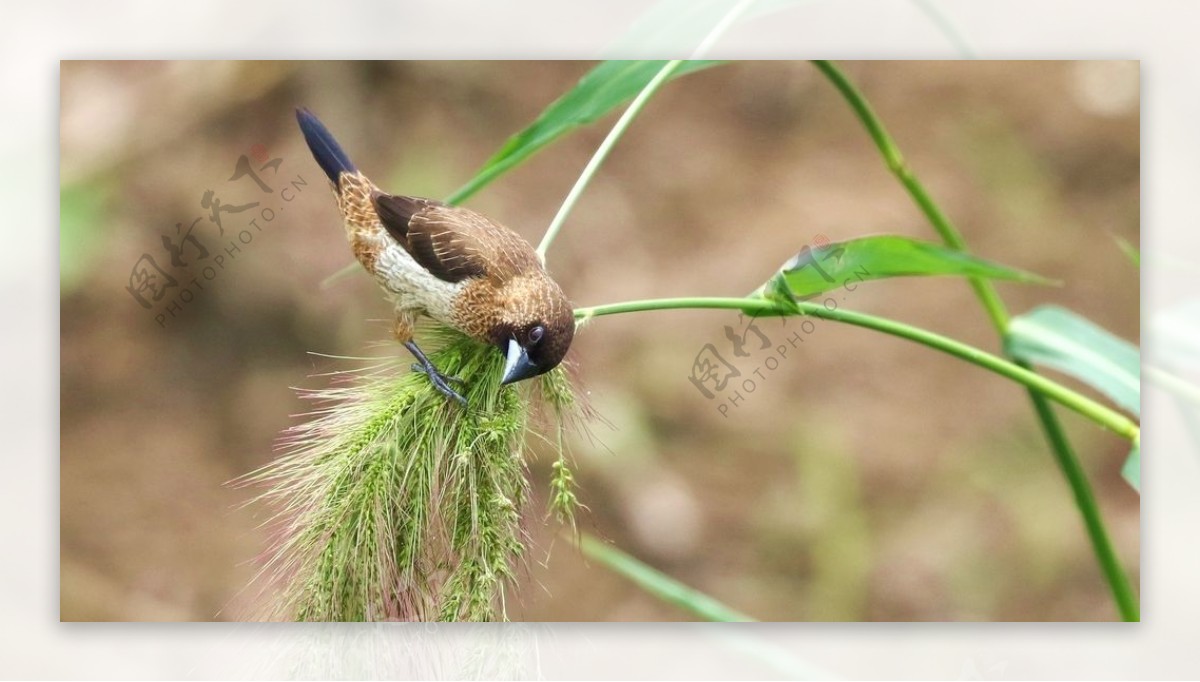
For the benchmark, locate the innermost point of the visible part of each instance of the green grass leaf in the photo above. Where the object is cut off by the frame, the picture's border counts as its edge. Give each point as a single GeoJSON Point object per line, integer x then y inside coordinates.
{"type": "Point", "coordinates": [601, 90]}
{"type": "Point", "coordinates": [1060, 339]}
{"type": "Point", "coordinates": [659, 584]}
{"type": "Point", "coordinates": [1068, 342]}
{"type": "Point", "coordinates": [844, 264]}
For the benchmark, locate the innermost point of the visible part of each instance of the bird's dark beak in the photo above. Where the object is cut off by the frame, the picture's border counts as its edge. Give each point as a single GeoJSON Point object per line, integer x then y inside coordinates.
{"type": "Point", "coordinates": [517, 365]}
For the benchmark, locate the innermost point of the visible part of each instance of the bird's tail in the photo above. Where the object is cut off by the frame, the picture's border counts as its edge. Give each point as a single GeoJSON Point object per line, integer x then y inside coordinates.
{"type": "Point", "coordinates": [325, 149]}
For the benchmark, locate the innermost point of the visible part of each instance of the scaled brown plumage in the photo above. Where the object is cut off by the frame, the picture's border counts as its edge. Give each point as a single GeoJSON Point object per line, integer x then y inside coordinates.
{"type": "Point", "coordinates": [452, 264]}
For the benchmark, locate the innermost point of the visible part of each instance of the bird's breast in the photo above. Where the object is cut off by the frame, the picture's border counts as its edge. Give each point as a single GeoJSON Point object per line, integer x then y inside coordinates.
{"type": "Point", "coordinates": [411, 286]}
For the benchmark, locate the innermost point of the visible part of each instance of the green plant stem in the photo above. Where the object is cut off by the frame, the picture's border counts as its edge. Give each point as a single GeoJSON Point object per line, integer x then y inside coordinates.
{"type": "Point", "coordinates": [602, 152]}
{"type": "Point", "coordinates": [1085, 406]}
{"type": "Point", "coordinates": [899, 167]}
{"type": "Point", "coordinates": [627, 118]}
{"type": "Point", "coordinates": [1052, 428]}
{"type": "Point", "coordinates": [631, 112]}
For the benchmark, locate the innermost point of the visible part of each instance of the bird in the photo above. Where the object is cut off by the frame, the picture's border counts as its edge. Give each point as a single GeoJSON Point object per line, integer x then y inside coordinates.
{"type": "Point", "coordinates": [451, 264]}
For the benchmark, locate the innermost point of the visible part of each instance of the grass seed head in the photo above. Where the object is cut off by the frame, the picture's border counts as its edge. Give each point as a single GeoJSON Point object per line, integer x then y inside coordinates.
{"type": "Point", "coordinates": [393, 503]}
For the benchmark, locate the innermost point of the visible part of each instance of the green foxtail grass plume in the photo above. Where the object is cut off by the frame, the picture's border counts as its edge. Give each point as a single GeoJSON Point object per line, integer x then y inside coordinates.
{"type": "Point", "coordinates": [393, 503]}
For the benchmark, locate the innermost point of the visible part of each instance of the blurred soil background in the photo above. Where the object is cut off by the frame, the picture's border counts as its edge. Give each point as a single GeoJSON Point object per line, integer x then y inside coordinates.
{"type": "Point", "coordinates": [865, 478]}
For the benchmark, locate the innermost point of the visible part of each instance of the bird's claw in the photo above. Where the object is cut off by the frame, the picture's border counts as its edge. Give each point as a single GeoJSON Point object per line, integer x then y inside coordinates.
{"type": "Point", "coordinates": [425, 366]}
{"type": "Point", "coordinates": [418, 367]}
{"type": "Point", "coordinates": [441, 381]}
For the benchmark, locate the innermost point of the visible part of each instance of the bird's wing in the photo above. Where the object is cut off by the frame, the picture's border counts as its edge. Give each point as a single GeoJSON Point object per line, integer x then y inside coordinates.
{"type": "Point", "coordinates": [452, 243]}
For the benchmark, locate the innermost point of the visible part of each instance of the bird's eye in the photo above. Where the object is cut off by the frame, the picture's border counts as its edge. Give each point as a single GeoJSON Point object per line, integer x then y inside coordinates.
{"type": "Point", "coordinates": [536, 334]}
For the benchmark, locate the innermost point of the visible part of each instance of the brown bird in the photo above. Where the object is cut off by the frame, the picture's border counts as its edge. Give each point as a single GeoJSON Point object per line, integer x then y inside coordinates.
{"type": "Point", "coordinates": [451, 264]}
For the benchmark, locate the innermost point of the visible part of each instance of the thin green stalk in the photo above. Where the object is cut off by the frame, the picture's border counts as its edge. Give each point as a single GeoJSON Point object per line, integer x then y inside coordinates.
{"type": "Point", "coordinates": [659, 584]}
{"type": "Point", "coordinates": [602, 152]}
{"type": "Point", "coordinates": [618, 130]}
{"type": "Point", "coordinates": [1097, 412]}
{"type": "Point", "coordinates": [1064, 453]}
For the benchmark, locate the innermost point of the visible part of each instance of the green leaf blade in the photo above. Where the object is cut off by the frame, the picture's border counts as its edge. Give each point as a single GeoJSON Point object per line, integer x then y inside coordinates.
{"type": "Point", "coordinates": [601, 90]}
{"type": "Point", "coordinates": [843, 264]}
{"type": "Point", "coordinates": [659, 584]}
{"type": "Point", "coordinates": [1065, 341]}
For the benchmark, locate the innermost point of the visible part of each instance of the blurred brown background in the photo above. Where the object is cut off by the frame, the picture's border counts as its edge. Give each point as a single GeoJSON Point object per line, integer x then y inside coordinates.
{"type": "Point", "coordinates": [866, 478]}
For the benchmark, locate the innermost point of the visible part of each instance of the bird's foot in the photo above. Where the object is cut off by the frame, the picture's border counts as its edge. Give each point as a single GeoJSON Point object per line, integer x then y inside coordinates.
{"type": "Point", "coordinates": [418, 367]}
{"type": "Point", "coordinates": [440, 381]}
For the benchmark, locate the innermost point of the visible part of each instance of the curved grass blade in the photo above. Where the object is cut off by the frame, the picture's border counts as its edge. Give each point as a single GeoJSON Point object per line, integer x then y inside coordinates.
{"type": "Point", "coordinates": [1065, 341]}
{"type": "Point", "coordinates": [601, 90]}
{"type": "Point", "coordinates": [844, 264]}
{"type": "Point", "coordinates": [659, 584]}
{"type": "Point", "coordinates": [1072, 344]}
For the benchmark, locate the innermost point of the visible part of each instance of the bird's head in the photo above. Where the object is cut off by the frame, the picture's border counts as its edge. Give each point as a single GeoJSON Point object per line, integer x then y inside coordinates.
{"type": "Point", "coordinates": [535, 331]}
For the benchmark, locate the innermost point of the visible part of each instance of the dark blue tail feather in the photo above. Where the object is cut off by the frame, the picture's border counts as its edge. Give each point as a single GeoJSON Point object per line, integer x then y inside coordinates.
{"type": "Point", "coordinates": [325, 149]}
